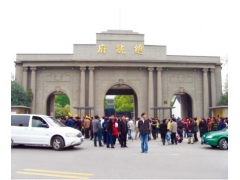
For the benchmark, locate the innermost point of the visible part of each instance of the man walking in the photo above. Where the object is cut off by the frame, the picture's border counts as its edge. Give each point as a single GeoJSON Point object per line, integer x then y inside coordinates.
{"type": "Point", "coordinates": [143, 126]}
{"type": "Point", "coordinates": [123, 130]}
{"type": "Point", "coordinates": [173, 129]}
{"type": "Point", "coordinates": [86, 127]}
{"type": "Point", "coordinates": [97, 130]}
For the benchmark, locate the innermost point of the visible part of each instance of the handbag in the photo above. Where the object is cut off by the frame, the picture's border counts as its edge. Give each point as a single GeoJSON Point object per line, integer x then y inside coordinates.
{"type": "Point", "coordinates": [189, 134]}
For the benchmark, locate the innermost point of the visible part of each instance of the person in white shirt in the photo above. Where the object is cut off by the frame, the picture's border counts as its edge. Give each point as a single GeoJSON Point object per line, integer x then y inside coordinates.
{"type": "Point", "coordinates": [136, 129]}
{"type": "Point", "coordinates": [130, 128]}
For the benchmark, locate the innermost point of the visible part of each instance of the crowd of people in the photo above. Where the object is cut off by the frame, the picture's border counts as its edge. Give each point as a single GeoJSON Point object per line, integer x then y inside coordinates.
{"type": "Point", "coordinates": [108, 130]}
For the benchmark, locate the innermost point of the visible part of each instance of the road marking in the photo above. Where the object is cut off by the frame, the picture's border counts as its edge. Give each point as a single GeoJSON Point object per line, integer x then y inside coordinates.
{"type": "Point", "coordinates": [158, 154]}
{"type": "Point", "coordinates": [60, 174]}
{"type": "Point", "coordinates": [52, 175]}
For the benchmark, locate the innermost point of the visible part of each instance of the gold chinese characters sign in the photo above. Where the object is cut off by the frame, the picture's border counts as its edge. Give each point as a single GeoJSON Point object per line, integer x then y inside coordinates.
{"type": "Point", "coordinates": [102, 49]}
{"type": "Point", "coordinates": [120, 49]}
{"type": "Point", "coordinates": [138, 49]}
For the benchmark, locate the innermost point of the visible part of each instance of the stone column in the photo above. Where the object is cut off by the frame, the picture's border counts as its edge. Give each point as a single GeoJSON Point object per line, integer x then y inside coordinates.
{"type": "Point", "coordinates": [150, 92]}
{"type": "Point", "coordinates": [205, 94]}
{"type": "Point", "coordinates": [24, 80]}
{"type": "Point", "coordinates": [82, 90]}
{"type": "Point", "coordinates": [159, 92]}
{"type": "Point", "coordinates": [91, 90]}
{"type": "Point", "coordinates": [33, 87]}
{"type": "Point", "coordinates": [213, 88]}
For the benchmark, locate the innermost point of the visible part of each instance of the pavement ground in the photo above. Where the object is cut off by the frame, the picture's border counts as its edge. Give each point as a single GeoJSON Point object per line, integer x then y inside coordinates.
{"type": "Point", "coordinates": [182, 161]}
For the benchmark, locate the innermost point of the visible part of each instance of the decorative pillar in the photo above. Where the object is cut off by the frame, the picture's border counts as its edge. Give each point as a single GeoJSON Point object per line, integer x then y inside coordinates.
{"type": "Point", "coordinates": [159, 92]}
{"type": "Point", "coordinates": [82, 91]}
{"type": "Point", "coordinates": [33, 87]}
{"type": "Point", "coordinates": [205, 94]}
{"type": "Point", "coordinates": [24, 80]}
{"type": "Point", "coordinates": [91, 89]}
{"type": "Point", "coordinates": [150, 92]}
{"type": "Point", "coordinates": [213, 88]}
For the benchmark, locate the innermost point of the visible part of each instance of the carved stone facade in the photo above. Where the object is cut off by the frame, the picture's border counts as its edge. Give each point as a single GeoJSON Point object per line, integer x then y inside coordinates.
{"type": "Point", "coordinates": [87, 74]}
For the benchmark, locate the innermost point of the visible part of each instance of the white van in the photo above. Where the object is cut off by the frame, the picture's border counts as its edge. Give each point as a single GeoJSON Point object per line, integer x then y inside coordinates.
{"type": "Point", "coordinates": [43, 130]}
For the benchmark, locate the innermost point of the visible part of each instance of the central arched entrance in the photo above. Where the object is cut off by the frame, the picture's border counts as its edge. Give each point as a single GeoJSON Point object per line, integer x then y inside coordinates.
{"type": "Point", "coordinates": [121, 93]}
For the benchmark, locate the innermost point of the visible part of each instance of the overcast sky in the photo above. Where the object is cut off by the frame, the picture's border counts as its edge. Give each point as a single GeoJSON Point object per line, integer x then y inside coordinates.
{"type": "Point", "coordinates": [185, 27]}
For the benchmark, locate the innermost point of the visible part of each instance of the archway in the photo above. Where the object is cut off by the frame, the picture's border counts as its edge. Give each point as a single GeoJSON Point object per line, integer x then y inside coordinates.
{"type": "Point", "coordinates": [183, 105]}
{"type": "Point", "coordinates": [129, 95]}
{"type": "Point", "coordinates": [58, 104]}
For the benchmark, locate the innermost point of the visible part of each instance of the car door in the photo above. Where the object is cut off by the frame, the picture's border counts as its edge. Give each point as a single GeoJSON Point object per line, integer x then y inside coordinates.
{"type": "Point", "coordinates": [39, 133]}
{"type": "Point", "coordinates": [20, 128]}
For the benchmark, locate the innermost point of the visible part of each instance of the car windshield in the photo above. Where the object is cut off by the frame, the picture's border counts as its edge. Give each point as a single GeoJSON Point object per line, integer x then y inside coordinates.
{"type": "Point", "coordinates": [53, 122]}
{"type": "Point", "coordinates": [225, 129]}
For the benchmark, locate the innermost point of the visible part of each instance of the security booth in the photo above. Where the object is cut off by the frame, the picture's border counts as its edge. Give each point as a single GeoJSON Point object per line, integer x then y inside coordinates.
{"type": "Point", "coordinates": [219, 111]}
{"type": "Point", "coordinates": [20, 110]}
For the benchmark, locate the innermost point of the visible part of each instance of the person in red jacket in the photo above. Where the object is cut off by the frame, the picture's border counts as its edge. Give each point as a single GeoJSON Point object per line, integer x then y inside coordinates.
{"type": "Point", "coordinates": [115, 131]}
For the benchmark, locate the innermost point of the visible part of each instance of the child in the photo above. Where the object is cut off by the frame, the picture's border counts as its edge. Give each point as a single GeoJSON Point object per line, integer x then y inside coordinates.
{"type": "Point", "coordinates": [178, 139]}
{"type": "Point", "coordinates": [168, 137]}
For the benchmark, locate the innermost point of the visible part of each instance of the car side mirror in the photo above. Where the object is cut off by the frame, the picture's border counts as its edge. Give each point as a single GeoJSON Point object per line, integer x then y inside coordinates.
{"type": "Point", "coordinates": [45, 125]}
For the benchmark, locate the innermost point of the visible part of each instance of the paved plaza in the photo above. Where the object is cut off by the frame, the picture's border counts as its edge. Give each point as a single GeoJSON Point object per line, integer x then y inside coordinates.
{"type": "Point", "coordinates": [182, 161]}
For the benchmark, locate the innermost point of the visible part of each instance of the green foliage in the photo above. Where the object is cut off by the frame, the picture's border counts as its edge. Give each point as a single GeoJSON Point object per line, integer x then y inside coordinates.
{"type": "Point", "coordinates": [62, 99]}
{"type": "Point", "coordinates": [224, 98]}
{"type": "Point", "coordinates": [61, 111]}
{"type": "Point", "coordinates": [105, 103]}
{"type": "Point", "coordinates": [20, 97]}
{"type": "Point", "coordinates": [124, 103]}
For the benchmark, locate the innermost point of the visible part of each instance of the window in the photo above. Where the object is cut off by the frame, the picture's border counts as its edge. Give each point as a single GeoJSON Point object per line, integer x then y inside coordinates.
{"type": "Point", "coordinates": [37, 121]}
{"type": "Point", "coordinates": [20, 120]}
{"type": "Point", "coordinates": [53, 122]}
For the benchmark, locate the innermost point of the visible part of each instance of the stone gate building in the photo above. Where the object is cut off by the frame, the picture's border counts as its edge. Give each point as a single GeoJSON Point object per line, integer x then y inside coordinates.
{"type": "Point", "coordinates": [120, 63]}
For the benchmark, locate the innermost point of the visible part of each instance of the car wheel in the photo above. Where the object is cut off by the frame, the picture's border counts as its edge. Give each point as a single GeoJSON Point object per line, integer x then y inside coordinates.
{"type": "Point", "coordinates": [57, 143]}
{"type": "Point", "coordinates": [223, 144]}
{"type": "Point", "coordinates": [213, 146]}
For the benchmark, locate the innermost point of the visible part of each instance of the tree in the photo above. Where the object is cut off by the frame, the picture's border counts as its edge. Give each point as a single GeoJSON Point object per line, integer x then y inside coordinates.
{"type": "Point", "coordinates": [61, 111]}
{"type": "Point", "coordinates": [224, 98]}
{"type": "Point", "coordinates": [105, 103]}
{"type": "Point", "coordinates": [124, 103]}
{"type": "Point", "coordinates": [20, 97]}
{"type": "Point", "coordinates": [62, 99]}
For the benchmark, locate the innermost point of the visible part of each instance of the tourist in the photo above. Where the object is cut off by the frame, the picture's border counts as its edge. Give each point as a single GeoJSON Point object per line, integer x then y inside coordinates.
{"type": "Point", "coordinates": [87, 126]}
{"type": "Point", "coordinates": [195, 130]}
{"type": "Point", "coordinates": [78, 123]}
{"type": "Point", "coordinates": [173, 129]}
{"type": "Point", "coordinates": [153, 126]}
{"type": "Point", "coordinates": [123, 130]}
{"type": "Point", "coordinates": [163, 130]}
{"type": "Point", "coordinates": [157, 126]}
{"type": "Point", "coordinates": [214, 125]}
{"type": "Point", "coordinates": [136, 129]}
{"type": "Point", "coordinates": [130, 128]}
{"type": "Point", "coordinates": [168, 137]}
{"type": "Point", "coordinates": [143, 126]}
{"type": "Point", "coordinates": [97, 130]}
{"type": "Point", "coordinates": [109, 130]}
{"type": "Point", "coordinates": [221, 124]}
{"type": "Point", "coordinates": [115, 131]}
{"type": "Point", "coordinates": [203, 127]}
{"type": "Point", "coordinates": [70, 122]}
{"type": "Point", "coordinates": [190, 131]}
{"type": "Point", "coordinates": [104, 127]}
